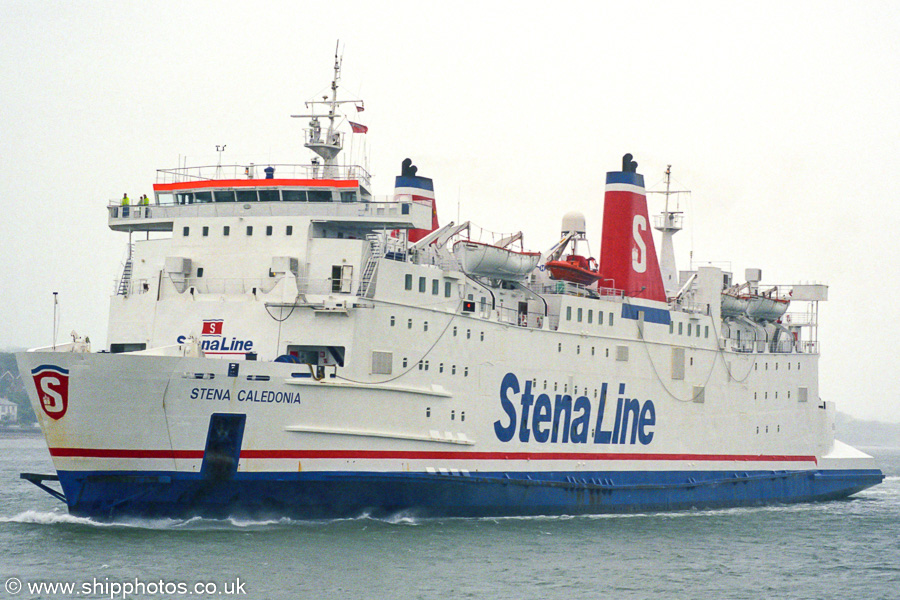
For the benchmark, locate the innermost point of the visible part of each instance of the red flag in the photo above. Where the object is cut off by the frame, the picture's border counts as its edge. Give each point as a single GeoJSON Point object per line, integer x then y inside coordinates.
{"type": "Point", "coordinates": [360, 108]}
{"type": "Point", "coordinates": [357, 128]}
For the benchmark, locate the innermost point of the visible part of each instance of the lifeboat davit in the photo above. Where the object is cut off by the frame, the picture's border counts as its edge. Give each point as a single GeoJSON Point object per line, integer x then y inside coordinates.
{"type": "Point", "coordinates": [574, 268]}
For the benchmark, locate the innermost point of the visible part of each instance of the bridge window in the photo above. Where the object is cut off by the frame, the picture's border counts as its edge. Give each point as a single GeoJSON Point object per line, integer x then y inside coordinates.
{"type": "Point", "coordinates": [293, 196]}
{"type": "Point", "coordinates": [246, 195]}
{"type": "Point", "coordinates": [185, 198]}
{"type": "Point", "coordinates": [319, 195]}
{"type": "Point", "coordinates": [268, 195]}
{"type": "Point", "coordinates": [348, 196]}
{"type": "Point", "coordinates": [203, 197]}
{"type": "Point", "coordinates": [224, 196]}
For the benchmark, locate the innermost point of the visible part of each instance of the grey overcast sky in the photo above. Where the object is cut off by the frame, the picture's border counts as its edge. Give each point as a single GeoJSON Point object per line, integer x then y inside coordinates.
{"type": "Point", "coordinates": [781, 117]}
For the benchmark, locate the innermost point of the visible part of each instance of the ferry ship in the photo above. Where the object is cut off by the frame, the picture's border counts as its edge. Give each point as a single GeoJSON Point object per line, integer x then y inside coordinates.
{"type": "Point", "coordinates": [281, 342]}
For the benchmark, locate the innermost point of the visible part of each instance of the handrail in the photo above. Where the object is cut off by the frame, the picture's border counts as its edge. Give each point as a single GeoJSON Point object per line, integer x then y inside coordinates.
{"type": "Point", "coordinates": [257, 171]}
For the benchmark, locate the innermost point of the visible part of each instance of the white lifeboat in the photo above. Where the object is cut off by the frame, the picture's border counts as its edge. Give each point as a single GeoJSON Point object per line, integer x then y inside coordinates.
{"type": "Point", "coordinates": [494, 262]}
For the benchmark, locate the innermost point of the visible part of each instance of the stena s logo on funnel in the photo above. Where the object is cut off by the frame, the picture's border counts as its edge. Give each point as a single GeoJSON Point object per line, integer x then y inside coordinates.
{"type": "Point", "coordinates": [52, 384]}
{"type": "Point", "coordinates": [639, 252]}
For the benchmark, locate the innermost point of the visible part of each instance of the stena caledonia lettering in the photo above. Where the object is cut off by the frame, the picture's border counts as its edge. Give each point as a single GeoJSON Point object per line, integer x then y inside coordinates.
{"type": "Point", "coordinates": [287, 345]}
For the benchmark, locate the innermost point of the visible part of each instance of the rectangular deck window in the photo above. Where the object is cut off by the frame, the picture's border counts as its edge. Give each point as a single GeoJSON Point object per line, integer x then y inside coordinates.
{"type": "Point", "coordinates": [408, 282]}
{"type": "Point", "coordinates": [289, 230]}
{"type": "Point", "coordinates": [435, 287]}
{"type": "Point", "coordinates": [293, 196]}
{"type": "Point", "coordinates": [249, 229]}
{"type": "Point", "coordinates": [447, 289]}
{"type": "Point", "coordinates": [226, 231]}
{"type": "Point", "coordinates": [422, 284]}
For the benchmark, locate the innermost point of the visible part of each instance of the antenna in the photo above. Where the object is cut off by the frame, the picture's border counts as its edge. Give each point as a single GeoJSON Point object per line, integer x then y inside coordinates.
{"type": "Point", "coordinates": [55, 317]}
{"type": "Point", "coordinates": [220, 150]}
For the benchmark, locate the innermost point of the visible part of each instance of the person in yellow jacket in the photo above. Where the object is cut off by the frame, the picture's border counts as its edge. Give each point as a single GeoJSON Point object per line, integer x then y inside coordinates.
{"type": "Point", "coordinates": [125, 203]}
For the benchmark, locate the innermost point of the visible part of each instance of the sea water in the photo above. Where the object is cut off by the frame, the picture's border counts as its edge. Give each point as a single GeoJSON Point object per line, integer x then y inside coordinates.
{"type": "Point", "coordinates": [840, 549]}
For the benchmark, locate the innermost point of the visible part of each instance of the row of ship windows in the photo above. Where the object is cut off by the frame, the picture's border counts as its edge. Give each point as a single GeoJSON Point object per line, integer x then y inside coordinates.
{"type": "Point", "coordinates": [462, 414]}
{"type": "Point", "coordinates": [692, 329]}
{"type": "Point", "coordinates": [579, 316]}
{"type": "Point", "coordinates": [226, 230]}
{"type": "Point", "coordinates": [409, 325]}
{"type": "Point", "coordinates": [425, 366]}
{"type": "Point", "coordinates": [766, 366]}
{"type": "Point", "coordinates": [256, 195]}
{"type": "Point", "coordinates": [423, 285]}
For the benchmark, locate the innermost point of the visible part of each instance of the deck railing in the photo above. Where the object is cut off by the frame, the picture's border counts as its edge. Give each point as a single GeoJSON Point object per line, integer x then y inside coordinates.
{"type": "Point", "coordinates": [254, 171]}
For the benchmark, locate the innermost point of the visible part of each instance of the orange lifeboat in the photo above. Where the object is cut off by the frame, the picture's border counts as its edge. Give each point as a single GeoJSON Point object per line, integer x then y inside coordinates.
{"type": "Point", "coordinates": [574, 268]}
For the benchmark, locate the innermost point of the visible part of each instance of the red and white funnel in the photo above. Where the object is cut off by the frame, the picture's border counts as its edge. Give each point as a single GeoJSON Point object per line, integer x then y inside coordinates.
{"type": "Point", "coordinates": [627, 254]}
{"type": "Point", "coordinates": [421, 189]}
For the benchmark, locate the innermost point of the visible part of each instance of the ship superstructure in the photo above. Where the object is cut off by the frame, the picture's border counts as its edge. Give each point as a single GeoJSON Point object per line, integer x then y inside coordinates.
{"type": "Point", "coordinates": [287, 344]}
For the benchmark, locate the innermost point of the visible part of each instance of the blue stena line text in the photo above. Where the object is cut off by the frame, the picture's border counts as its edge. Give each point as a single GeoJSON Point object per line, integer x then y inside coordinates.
{"type": "Point", "coordinates": [566, 421]}
{"type": "Point", "coordinates": [221, 345]}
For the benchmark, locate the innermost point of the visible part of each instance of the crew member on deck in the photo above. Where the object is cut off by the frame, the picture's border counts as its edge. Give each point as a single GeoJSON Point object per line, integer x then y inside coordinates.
{"type": "Point", "coordinates": [125, 203]}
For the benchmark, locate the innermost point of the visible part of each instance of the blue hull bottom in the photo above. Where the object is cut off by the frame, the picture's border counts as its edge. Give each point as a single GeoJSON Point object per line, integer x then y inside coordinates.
{"type": "Point", "coordinates": [329, 495]}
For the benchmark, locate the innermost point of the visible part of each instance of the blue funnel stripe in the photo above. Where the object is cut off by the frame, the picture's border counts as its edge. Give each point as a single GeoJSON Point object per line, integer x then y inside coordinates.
{"type": "Point", "coordinates": [625, 177]}
{"type": "Point", "coordinates": [422, 183]}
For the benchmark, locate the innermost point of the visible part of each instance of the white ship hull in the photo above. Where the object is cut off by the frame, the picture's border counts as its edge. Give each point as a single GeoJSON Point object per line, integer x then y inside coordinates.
{"type": "Point", "coordinates": [138, 433]}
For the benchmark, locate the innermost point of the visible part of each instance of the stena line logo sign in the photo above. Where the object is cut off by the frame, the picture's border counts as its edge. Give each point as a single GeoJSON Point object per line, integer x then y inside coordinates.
{"type": "Point", "coordinates": [52, 384]}
{"type": "Point", "coordinates": [213, 340]}
{"type": "Point", "coordinates": [578, 421]}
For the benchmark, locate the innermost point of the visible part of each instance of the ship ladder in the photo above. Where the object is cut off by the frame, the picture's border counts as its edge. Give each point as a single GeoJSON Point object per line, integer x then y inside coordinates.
{"type": "Point", "coordinates": [371, 264]}
{"type": "Point", "coordinates": [125, 281]}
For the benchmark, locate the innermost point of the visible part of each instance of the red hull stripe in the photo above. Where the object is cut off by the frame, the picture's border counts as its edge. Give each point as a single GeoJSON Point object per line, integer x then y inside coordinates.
{"type": "Point", "coordinates": [255, 183]}
{"type": "Point", "coordinates": [417, 455]}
